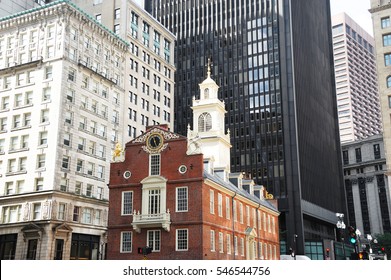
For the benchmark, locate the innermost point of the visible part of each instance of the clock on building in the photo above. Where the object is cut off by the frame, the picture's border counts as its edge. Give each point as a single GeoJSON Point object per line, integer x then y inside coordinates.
{"type": "Point", "coordinates": [154, 141]}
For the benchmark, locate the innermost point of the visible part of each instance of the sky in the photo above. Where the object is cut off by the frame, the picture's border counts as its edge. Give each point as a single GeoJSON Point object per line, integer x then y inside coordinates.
{"type": "Point", "coordinates": [356, 9]}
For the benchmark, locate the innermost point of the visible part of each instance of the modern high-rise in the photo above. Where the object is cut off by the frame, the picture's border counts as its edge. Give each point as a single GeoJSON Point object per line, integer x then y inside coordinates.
{"type": "Point", "coordinates": [355, 80]}
{"type": "Point", "coordinates": [381, 18]}
{"type": "Point", "coordinates": [273, 61]}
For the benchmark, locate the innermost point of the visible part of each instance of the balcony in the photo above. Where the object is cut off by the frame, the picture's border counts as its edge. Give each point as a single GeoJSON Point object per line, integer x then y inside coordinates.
{"type": "Point", "coordinates": [151, 220]}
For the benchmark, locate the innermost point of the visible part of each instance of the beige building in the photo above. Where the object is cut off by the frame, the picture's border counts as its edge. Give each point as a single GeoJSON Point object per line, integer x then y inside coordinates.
{"type": "Point", "coordinates": [70, 90]}
{"type": "Point", "coordinates": [149, 68]}
{"type": "Point", "coordinates": [61, 97]}
{"type": "Point", "coordinates": [356, 80]}
{"type": "Point", "coordinates": [381, 18]}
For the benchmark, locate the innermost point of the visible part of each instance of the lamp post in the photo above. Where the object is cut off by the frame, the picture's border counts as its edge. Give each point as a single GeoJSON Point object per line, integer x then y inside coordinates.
{"type": "Point", "coordinates": [341, 228]}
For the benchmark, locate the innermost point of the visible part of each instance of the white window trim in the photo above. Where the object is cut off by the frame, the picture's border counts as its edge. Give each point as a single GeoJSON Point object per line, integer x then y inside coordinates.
{"type": "Point", "coordinates": [187, 199]}
{"type": "Point", "coordinates": [187, 240]}
{"type": "Point", "coordinates": [131, 242]}
{"type": "Point", "coordinates": [122, 203]}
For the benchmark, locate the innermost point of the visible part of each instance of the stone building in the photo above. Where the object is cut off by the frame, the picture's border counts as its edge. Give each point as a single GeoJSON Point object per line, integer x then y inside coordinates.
{"type": "Point", "coordinates": [61, 95]}
{"type": "Point", "coordinates": [367, 189]}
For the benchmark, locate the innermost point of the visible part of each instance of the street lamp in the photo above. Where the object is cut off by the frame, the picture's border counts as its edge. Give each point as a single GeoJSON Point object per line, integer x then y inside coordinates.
{"type": "Point", "coordinates": [341, 228]}
{"type": "Point", "coordinates": [370, 238]}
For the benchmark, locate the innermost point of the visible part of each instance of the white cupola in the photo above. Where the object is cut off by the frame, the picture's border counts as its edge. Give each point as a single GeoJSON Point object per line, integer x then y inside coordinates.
{"type": "Point", "coordinates": [209, 124]}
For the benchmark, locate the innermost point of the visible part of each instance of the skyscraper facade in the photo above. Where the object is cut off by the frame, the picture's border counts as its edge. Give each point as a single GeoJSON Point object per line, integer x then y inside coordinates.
{"type": "Point", "coordinates": [356, 80]}
{"type": "Point", "coordinates": [273, 61]}
{"type": "Point", "coordinates": [381, 18]}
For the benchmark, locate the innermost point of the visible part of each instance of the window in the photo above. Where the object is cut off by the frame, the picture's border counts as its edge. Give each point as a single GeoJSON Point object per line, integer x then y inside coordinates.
{"type": "Point", "coordinates": [212, 241]}
{"type": "Point", "coordinates": [389, 82]}
{"type": "Point", "coordinates": [153, 240]}
{"type": "Point", "coordinates": [37, 211]}
{"type": "Point", "coordinates": [99, 193]}
{"type": "Point", "coordinates": [127, 203]}
{"type": "Point", "coordinates": [385, 22]}
{"type": "Point", "coordinates": [220, 204]}
{"type": "Point", "coordinates": [221, 242]}
{"type": "Point", "coordinates": [48, 72]}
{"type": "Point", "coordinates": [242, 246]}
{"type": "Point", "coordinates": [376, 151]}
{"type": "Point", "coordinates": [38, 184]}
{"type": "Point", "coordinates": [98, 215]}
{"type": "Point", "coordinates": [181, 199]}
{"type": "Point", "coordinates": [386, 40]}
{"type": "Point", "coordinates": [65, 162]}
{"type": "Point", "coordinates": [11, 214]}
{"type": "Point", "coordinates": [228, 244]}
{"type": "Point", "coordinates": [211, 201]}
{"type": "Point", "coordinates": [32, 249]}
{"type": "Point", "coordinates": [126, 242]}
{"type": "Point", "coordinates": [78, 188]}
{"type": "Point", "coordinates": [41, 161]}
{"type": "Point", "coordinates": [89, 190]}
{"type": "Point", "coordinates": [43, 138]}
{"type": "Point", "coordinates": [154, 202]}
{"type": "Point", "coordinates": [236, 245]}
{"type": "Point", "coordinates": [358, 154]}
{"type": "Point", "coordinates": [11, 165]}
{"type": "Point", "coordinates": [154, 165]}
{"type": "Point", "coordinates": [345, 155]}
{"type": "Point", "coordinates": [87, 215]}
{"type": "Point", "coordinates": [117, 13]}
{"type": "Point", "coordinates": [387, 59]}
{"type": "Point", "coordinates": [204, 122]}
{"type": "Point", "coordinates": [241, 212]}
{"type": "Point", "coordinates": [76, 213]}
{"type": "Point", "coordinates": [181, 239]}
{"type": "Point", "coordinates": [61, 211]}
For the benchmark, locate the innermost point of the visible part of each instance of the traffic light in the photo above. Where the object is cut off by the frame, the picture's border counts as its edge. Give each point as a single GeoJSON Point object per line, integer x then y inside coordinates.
{"type": "Point", "coordinates": [360, 256]}
{"type": "Point", "coordinates": [144, 250]}
{"type": "Point", "coordinates": [327, 253]}
{"type": "Point", "coordinates": [352, 235]}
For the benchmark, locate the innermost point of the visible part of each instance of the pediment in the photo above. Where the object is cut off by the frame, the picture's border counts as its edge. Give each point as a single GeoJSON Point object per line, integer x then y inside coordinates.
{"type": "Point", "coordinates": [31, 227]}
{"type": "Point", "coordinates": [64, 227]}
{"type": "Point", "coordinates": [153, 180]}
{"type": "Point", "coordinates": [251, 232]}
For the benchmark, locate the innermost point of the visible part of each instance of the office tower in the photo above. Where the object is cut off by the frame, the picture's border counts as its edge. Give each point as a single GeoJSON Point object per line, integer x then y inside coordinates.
{"type": "Point", "coordinates": [149, 68]}
{"type": "Point", "coordinates": [367, 189]}
{"type": "Point", "coordinates": [356, 80]}
{"type": "Point", "coordinates": [60, 121]}
{"type": "Point", "coordinates": [273, 62]}
{"type": "Point", "coordinates": [381, 13]}
{"type": "Point", "coordinates": [174, 197]}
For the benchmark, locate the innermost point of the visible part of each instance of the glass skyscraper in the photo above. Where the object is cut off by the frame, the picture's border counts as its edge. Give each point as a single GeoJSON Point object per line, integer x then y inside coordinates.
{"type": "Point", "coordinates": [273, 61]}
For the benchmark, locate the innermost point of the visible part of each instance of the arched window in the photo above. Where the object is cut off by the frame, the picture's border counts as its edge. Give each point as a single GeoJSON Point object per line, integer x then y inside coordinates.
{"type": "Point", "coordinates": [389, 81]}
{"type": "Point", "coordinates": [204, 122]}
{"type": "Point", "coordinates": [206, 93]}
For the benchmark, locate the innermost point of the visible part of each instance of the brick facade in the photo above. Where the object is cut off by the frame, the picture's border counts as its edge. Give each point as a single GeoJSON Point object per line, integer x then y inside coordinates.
{"type": "Point", "coordinates": [197, 219]}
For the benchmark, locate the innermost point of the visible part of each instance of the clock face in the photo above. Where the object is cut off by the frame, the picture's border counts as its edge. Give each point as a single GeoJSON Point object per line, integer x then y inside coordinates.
{"type": "Point", "coordinates": [155, 141]}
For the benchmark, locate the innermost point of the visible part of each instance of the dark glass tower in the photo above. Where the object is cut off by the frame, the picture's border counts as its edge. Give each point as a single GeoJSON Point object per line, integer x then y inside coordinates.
{"type": "Point", "coordinates": [273, 62]}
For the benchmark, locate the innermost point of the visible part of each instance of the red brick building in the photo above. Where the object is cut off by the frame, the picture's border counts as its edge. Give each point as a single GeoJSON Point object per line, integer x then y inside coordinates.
{"type": "Point", "coordinates": [176, 195]}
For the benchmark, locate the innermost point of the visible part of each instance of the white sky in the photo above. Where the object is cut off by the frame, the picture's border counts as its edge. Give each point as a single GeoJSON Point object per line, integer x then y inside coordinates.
{"type": "Point", "coordinates": [356, 9]}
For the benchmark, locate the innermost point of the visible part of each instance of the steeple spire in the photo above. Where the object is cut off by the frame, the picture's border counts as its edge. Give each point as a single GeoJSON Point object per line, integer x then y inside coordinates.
{"type": "Point", "coordinates": [208, 72]}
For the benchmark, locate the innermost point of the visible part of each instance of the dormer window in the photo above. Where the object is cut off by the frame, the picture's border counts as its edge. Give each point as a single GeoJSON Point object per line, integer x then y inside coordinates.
{"type": "Point", "coordinates": [204, 122]}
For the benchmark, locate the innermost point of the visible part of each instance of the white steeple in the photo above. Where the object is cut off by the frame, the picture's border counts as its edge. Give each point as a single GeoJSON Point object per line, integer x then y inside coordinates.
{"type": "Point", "coordinates": [208, 132]}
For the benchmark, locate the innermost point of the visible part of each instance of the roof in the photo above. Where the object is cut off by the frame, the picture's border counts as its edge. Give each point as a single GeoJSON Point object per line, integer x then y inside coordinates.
{"type": "Point", "coordinates": [233, 188]}
{"type": "Point", "coordinates": [59, 2]}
